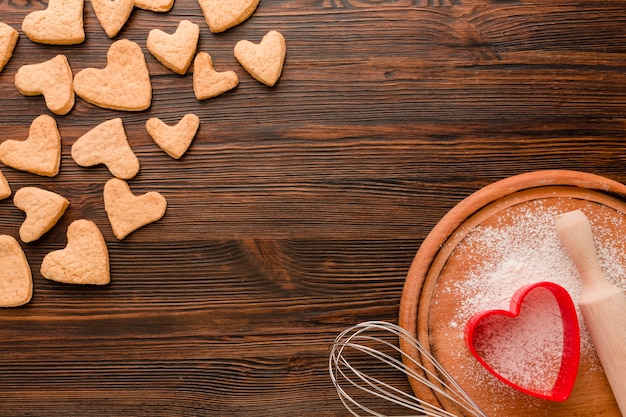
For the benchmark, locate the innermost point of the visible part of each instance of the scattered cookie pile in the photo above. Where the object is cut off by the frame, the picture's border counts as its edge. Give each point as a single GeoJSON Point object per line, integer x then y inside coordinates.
{"type": "Point", "coordinates": [124, 84]}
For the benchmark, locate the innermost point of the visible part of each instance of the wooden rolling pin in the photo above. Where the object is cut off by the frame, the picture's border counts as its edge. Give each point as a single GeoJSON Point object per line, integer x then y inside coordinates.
{"type": "Point", "coordinates": [603, 305]}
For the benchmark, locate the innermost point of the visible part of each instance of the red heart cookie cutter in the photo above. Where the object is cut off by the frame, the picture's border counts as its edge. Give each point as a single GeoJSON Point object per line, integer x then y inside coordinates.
{"type": "Point", "coordinates": [534, 346]}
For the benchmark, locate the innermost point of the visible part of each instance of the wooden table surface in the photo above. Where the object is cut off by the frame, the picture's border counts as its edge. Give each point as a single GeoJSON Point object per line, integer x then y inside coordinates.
{"type": "Point", "coordinates": [298, 209]}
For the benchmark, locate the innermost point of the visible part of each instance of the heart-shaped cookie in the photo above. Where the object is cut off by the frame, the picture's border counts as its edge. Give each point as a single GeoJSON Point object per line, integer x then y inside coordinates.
{"type": "Point", "coordinates": [209, 83]}
{"type": "Point", "coordinates": [174, 140]}
{"type": "Point", "coordinates": [124, 84]}
{"type": "Point", "coordinates": [43, 210]}
{"type": "Point", "coordinates": [16, 283]}
{"type": "Point", "coordinates": [534, 346]}
{"type": "Point", "coordinates": [8, 39]}
{"type": "Point", "coordinates": [84, 260]}
{"type": "Point", "coordinates": [40, 153]}
{"type": "Point", "coordinates": [264, 61]}
{"type": "Point", "coordinates": [107, 144]}
{"type": "Point", "coordinates": [53, 79]}
{"type": "Point", "coordinates": [128, 212]}
{"type": "Point", "coordinates": [61, 23]}
{"type": "Point", "coordinates": [221, 15]}
{"type": "Point", "coordinates": [175, 51]}
{"type": "Point", "coordinates": [5, 188]}
{"type": "Point", "coordinates": [112, 14]}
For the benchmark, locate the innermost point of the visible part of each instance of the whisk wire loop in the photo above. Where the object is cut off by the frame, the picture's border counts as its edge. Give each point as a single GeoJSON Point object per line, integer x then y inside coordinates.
{"type": "Point", "coordinates": [349, 380]}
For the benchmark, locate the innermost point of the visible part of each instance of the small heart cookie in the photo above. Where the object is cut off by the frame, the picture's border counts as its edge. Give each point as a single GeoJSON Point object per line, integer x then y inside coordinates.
{"type": "Point", "coordinates": [52, 79]}
{"type": "Point", "coordinates": [8, 39]}
{"type": "Point", "coordinates": [174, 140]}
{"type": "Point", "coordinates": [40, 153]}
{"type": "Point", "coordinates": [61, 23]}
{"type": "Point", "coordinates": [107, 144]}
{"type": "Point", "coordinates": [5, 188]}
{"type": "Point", "coordinates": [175, 51]}
{"type": "Point", "coordinates": [85, 259]}
{"type": "Point", "coordinates": [221, 15]}
{"type": "Point", "coordinates": [128, 212]}
{"type": "Point", "coordinates": [16, 282]}
{"type": "Point", "coordinates": [264, 61]}
{"type": "Point", "coordinates": [124, 84]}
{"type": "Point", "coordinates": [209, 83]}
{"type": "Point", "coordinates": [43, 210]}
{"type": "Point", "coordinates": [112, 14]}
{"type": "Point", "coordinates": [155, 5]}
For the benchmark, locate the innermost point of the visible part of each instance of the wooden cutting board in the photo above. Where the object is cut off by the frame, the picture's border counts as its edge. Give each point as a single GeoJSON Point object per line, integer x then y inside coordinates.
{"type": "Point", "coordinates": [435, 308]}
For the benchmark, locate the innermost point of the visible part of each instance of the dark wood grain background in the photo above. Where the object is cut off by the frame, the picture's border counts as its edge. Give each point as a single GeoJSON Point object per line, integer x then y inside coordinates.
{"type": "Point", "coordinates": [298, 209]}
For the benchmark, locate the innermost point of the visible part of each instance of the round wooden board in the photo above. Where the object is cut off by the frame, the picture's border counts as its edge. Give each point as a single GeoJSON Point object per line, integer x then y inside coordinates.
{"type": "Point", "coordinates": [429, 307]}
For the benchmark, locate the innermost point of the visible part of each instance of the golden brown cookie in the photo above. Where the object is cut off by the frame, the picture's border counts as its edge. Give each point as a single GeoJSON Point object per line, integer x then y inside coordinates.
{"type": "Point", "coordinates": [85, 259]}
{"type": "Point", "coordinates": [43, 210]}
{"type": "Point", "coordinates": [264, 61]}
{"type": "Point", "coordinates": [112, 14]}
{"type": "Point", "coordinates": [16, 282]}
{"type": "Point", "coordinates": [61, 23]}
{"type": "Point", "coordinates": [124, 84]}
{"type": "Point", "coordinates": [5, 188]}
{"type": "Point", "coordinates": [174, 140]}
{"type": "Point", "coordinates": [155, 5]}
{"type": "Point", "coordinates": [52, 79]}
{"type": "Point", "coordinates": [221, 15]}
{"type": "Point", "coordinates": [8, 39]}
{"type": "Point", "coordinates": [40, 153]}
{"type": "Point", "coordinates": [175, 51]}
{"type": "Point", "coordinates": [209, 83]}
{"type": "Point", "coordinates": [107, 144]}
{"type": "Point", "coordinates": [128, 212]}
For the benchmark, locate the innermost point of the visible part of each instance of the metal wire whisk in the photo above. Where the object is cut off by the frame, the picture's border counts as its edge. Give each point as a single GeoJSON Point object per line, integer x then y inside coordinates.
{"type": "Point", "coordinates": [353, 351]}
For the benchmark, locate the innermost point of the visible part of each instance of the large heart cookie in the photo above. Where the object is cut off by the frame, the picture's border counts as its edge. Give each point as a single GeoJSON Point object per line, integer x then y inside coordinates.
{"type": "Point", "coordinates": [175, 51]}
{"type": "Point", "coordinates": [5, 188]}
{"type": "Point", "coordinates": [52, 79]}
{"type": "Point", "coordinates": [8, 39]}
{"type": "Point", "coordinates": [209, 83]}
{"type": "Point", "coordinates": [112, 14]}
{"type": "Point", "coordinates": [124, 84]}
{"type": "Point", "coordinates": [59, 24]}
{"type": "Point", "coordinates": [40, 153]}
{"type": "Point", "coordinates": [16, 283]}
{"type": "Point", "coordinates": [43, 210]}
{"type": "Point", "coordinates": [107, 144]}
{"type": "Point", "coordinates": [534, 346]}
{"type": "Point", "coordinates": [224, 14]}
{"type": "Point", "coordinates": [85, 259]}
{"type": "Point", "coordinates": [264, 61]}
{"type": "Point", "coordinates": [128, 212]}
{"type": "Point", "coordinates": [174, 140]}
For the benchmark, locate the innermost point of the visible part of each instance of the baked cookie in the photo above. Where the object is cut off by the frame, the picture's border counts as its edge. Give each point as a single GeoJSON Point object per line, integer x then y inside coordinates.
{"type": "Point", "coordinates": [52, 79]}
{"type": "Point", "coordinates": [85, 259]}
{"type": "Point", "coordinates": [264, 61]}
{"type": "Point", "coordinates": [174, 140]}
{"type": "Point", "coordinates": [124, 84]}
{"type": "Point", "coordinates": [16, 282]}
{"type": "Point", "coordinates": [61, 23]}
{"type": "Point", "coordinates": [40, 153]}
{"type": "Point", "coordinates": [128, 212]}
{"type": "Point", "coordinates": [209, 83]}
{"type": "Point", "coordinates": [112, 14]}
{"type": "Point", "coordinates": [8, 39]}
{"type": "Point", "coordinates": [43, 210]}
{"type": "Point", "coordinates": [5, 188]}
{"type": "Point", "coordinates": [107, 144]}
{"type": "Point", "coordinates": [221, 15]}
{"type": "Point", "coordinates": [155, 5]}
{"type": "Point", "coordinates": [175, 51]}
